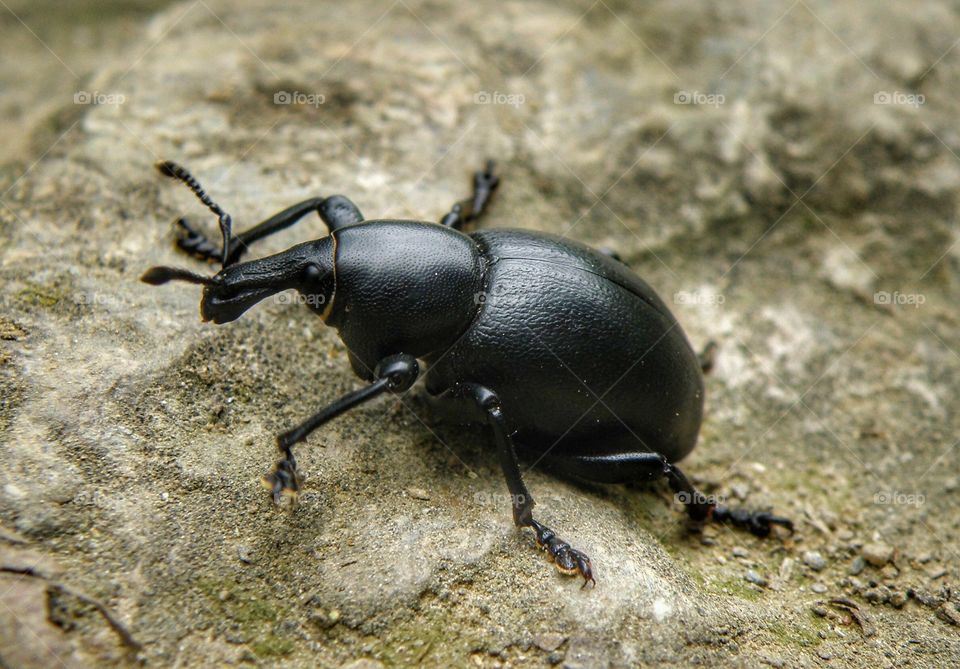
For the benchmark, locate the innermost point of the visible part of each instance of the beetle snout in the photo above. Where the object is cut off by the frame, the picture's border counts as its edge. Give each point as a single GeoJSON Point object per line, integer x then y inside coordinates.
{"type": "Point", "coordinates": [222, 304]}
{"type": "Point", "coordinates": [238, 287]}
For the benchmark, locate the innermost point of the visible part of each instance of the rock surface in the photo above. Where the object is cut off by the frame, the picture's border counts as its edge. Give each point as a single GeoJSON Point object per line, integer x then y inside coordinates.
{"type": "Point", "coordinates": [785, 173]}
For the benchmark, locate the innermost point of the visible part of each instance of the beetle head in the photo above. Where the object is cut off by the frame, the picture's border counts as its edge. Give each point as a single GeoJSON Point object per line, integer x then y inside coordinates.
{"type": "Point", "coordinates": [227, 295]}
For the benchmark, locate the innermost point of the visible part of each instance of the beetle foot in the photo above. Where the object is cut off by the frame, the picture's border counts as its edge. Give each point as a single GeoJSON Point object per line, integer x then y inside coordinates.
{"type": "Point", "coordinates": [283, 481]}
{"type": "Point", "coordinates": [758, 522]}
{"type": "Point", "coordinates": [194, 242]}
{"type": "Point", "coordinates": [485, 179]}
{"type": "Point", "coordinates": [566, 559]}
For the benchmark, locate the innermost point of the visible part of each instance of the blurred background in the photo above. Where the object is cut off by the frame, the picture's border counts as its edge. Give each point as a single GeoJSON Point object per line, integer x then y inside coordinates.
{"type": "Point", "coordinates": [784, 173]}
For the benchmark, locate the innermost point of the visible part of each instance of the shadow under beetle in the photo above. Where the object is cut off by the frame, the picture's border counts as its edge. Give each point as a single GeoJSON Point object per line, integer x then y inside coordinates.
{"type": "Point", "coordinates": [571, 359]}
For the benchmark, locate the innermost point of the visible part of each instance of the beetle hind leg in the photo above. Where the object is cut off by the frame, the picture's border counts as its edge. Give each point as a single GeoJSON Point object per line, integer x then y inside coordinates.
{"type": "Point", "coordinates": [636, 467]}
{"type": "Point", "coordinates": [566, 559]}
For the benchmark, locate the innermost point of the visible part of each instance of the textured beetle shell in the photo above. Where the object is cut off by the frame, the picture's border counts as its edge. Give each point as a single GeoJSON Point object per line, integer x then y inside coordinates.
{"type": "Point", "coordinates": [585, 357]}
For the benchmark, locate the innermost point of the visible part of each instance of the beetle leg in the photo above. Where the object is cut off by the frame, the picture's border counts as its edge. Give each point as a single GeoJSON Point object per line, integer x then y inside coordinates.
{"type": "Point", "coordinates": [485, 182]}
{"type": "Point", "coordinates": [336, 211]}
{"type": "Point", "coordinates": [708, 356]}
{"type": "Point", "coordinates": [610, 253]}
{"type": "Point", "coordinates": [758, 522]}
{"type": "Point", "coordinates": [567, 560]}
{"type": "Point", "coordinates": [394, 374]}
{"type": "Point", "coordinates": [634, 467]}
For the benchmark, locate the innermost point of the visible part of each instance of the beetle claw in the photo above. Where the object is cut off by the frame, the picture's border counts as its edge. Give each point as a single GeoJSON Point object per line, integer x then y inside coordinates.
{"type": "Point", "coordinates": [568, 560]}
{"type": "Point", "coordinates": [283, 481]}
{"type": "Point", "coordinates": [759, 523]}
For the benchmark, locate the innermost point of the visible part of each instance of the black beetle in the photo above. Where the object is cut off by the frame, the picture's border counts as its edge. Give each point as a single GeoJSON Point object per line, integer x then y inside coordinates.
{"type": "Point", "coordinates": [572, 360]}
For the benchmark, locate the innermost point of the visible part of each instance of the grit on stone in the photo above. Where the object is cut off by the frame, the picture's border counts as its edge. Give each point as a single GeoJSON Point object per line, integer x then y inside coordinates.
{"type": "Point", "coordinates": [784, 173]}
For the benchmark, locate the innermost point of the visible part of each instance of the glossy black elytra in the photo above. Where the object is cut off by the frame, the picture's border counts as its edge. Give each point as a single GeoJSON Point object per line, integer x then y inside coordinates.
{"type": "Point", "coordinates": [572, 360]}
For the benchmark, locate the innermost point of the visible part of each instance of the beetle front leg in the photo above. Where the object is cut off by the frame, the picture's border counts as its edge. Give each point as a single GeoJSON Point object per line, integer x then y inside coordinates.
{"type": "Point", "coordinates": [567, 560]}
{"type": "Point", "coordinates": [336, 211]}
{"type": "Point", "coordinates": [393, 374]}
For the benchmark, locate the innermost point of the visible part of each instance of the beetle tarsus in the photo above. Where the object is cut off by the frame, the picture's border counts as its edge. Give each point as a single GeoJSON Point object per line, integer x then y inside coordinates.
{"type": "Point", "coordinates": [284, 480]}
{"type": "Point", "coordinates": [759, 523]}
{"type": "Point", "coordinates": [568, 560]}
{"type": "Point", "coordinates": [485, 182]}
{"type": "Point", "coordinates": [708, 356]}
{"type": "Point", "coordinates": [194, 242]}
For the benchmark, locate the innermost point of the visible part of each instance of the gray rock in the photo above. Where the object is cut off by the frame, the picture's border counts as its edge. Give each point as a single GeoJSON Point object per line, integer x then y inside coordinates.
{"type": "Point", "coordinates": [877, 554]}
{"type": "Point", "coordinates": [814, 560]}
{"type": "Point", "coordinates": [807, 214]}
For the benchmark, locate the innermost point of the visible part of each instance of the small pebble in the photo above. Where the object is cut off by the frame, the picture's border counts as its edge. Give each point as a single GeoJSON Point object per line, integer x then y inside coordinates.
{"type": "Point", "coordinates": [857, 565]}
{"type": "Point", "coordinates": [819, 588]}
{"type": "Point", "coordinates": [898, 599]}
{"type": "Point", "coordinates": [755, 578]}
{"type": "Point", "coordinates": [245, 554]}
{"type": "Point", "coordinates": [419, 493]}
{"type": "Point", "coordinates": [814, 560]}
{"type": "Point", "coordinates": [740, 552]}
{"type": "Point", "coordinates": [740, 491]}
{"type": "Point", "coordinates": [877, 554]}
{"type": "Point", "coordinates": [549, 641]}
{"type": "Point", "coordinates": [820, 611]}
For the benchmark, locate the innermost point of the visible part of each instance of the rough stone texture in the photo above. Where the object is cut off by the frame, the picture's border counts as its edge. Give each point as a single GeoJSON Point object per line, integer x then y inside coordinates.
{"type": "Point", "coordinates": [788, 212]}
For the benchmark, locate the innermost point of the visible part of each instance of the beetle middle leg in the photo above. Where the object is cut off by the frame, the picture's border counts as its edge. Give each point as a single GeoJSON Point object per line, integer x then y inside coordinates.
{"type": "Point", "coordinates": [567, 560]}
{"type": "Point", "coordinates": [635, 467]}
{"type": "Point", "coordinates": [394, 374]}
{"type": "Point", "coordinates": [485, 182]}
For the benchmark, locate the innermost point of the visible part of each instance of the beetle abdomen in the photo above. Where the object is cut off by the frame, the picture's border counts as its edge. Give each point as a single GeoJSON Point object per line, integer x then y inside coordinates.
{"type": "Point", "coordinates": [583, 354]}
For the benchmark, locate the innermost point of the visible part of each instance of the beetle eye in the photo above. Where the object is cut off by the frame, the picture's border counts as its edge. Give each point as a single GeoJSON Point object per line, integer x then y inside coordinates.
{"type": "Point", "coordinates": [311, 272]}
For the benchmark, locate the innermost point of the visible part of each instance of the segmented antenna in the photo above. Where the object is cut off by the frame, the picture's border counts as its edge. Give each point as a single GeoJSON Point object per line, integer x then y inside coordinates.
{"type": "Point", "coordinates": [171, 169]}
{"type": "Point", "coordinates": [157, 276]}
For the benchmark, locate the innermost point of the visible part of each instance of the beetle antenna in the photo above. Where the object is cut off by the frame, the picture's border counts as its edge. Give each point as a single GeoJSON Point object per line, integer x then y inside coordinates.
{"type": "Point", "coordinates": [157, 276]}
{"type": "Point", "coordinates": [172, 169]}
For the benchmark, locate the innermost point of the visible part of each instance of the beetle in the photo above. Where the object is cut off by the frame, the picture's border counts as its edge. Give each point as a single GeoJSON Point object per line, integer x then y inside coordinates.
{"type": "Point", "coordinates": [572, 360]}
